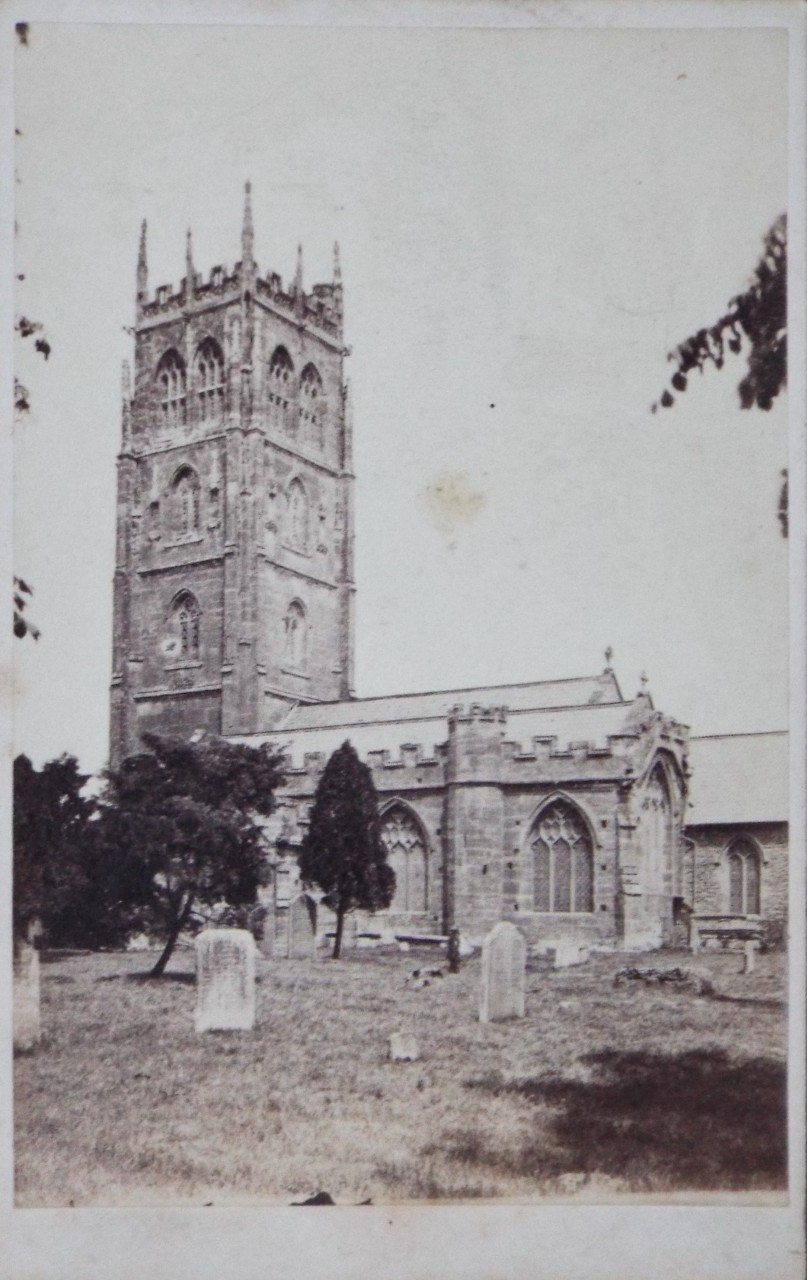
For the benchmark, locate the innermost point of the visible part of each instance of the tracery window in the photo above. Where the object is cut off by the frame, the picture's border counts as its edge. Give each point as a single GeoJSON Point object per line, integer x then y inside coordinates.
{"type": "Point", "coordinates": [298, 516]}
{"type": "Point", "coordinates": [171, 381]}
{"type": "Point", "coordinates": [281, 388]}
{"type": "Point", "coordinates": [210, 380]}
{"type": "Point", "coordinates": [294, 626]}
{"type": "Point", "coordinates": [310, 410]}
{"type": "Point", "coordinates": [562, 860]}
{"type": "Point", "coordinates": [407, 855]}
{"type": "Point", "coordinates": [186, 502]}
{"type": "Point", "coordinates": [186, 624]}
{"type": "Point", "coordinates": [657, 828]}
{"type": "Point", "coordinates": [743, 863]}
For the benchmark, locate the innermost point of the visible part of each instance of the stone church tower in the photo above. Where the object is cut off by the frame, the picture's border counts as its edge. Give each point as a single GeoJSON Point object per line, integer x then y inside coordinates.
{"type": "Point", "coordinates": [233, 597]}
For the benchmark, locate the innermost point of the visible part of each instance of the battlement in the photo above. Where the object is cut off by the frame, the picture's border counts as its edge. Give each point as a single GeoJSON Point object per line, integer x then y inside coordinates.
{"type": "Point", "coordinates": [477, 714]}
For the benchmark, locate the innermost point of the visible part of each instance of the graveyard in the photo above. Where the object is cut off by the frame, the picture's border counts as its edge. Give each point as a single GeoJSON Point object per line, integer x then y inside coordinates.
{"type": "Point", "coordinates": [611, 1084]}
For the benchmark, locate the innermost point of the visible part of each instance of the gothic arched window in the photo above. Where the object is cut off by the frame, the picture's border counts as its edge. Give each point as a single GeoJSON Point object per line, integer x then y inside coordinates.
{"type": "Point", "coordinates": [405, 843]}
{"type": "Point", "coordinates": [210, 380]}
{"type": "Point", "coordinates": [171, 382]}
{"type": "Point", "coordinates": [294, 639]}
{"type": "Point", "coordinates": [281, 388]}
{"type": "Point", "coordinates": [657, 828]}
{"type": "Point", "coordinates": [186, 624]}
{"type": "Point", "coordinates": [311, 391]}
{"type": "Point", "coordinates": [743, 864]}
{"type": "Point", "coordinates": [562, 860]}
{"type": "Point", "coordinates": [298, 516]}
{"type": "Point", "coordinates": [185, 488]}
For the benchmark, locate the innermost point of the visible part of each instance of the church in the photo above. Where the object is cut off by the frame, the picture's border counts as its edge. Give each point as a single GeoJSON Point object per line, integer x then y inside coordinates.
{"type": "Point", "coordinates": [579, 814]}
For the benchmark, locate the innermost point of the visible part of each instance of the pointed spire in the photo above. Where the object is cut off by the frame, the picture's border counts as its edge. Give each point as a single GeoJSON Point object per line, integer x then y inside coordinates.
{"type": "Point", "coordinates": [247, 228]}
{"type": "Point", "coordinates": [142, 266]}
{"type": "Point", "coordinates": [189, 264]}
{"type": "Point", "coordinates": [298, 285]}
{"type": "Point", "coordinates": [337, 267]}
{"type": "Point", "coordinates": [126, 405]}
{"type": "Point", "coordinates": [643, 685]}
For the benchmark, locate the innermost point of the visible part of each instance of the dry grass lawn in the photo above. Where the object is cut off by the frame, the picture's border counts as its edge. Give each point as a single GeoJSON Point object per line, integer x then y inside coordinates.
{"type": "Point", "coordinates": [597, 1092]}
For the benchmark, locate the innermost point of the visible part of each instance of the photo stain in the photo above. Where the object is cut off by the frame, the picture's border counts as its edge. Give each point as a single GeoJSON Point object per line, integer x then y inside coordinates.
{"type": "Point", "coordinates": [451, 501]}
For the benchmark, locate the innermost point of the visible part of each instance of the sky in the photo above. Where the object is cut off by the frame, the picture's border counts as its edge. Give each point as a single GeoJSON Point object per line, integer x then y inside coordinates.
{"type": "Point", "coordinates": [529, 221]}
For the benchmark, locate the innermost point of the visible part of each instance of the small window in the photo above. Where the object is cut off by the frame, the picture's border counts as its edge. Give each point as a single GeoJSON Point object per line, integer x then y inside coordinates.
{"type": "Point", "coordinates": [281, 389]}
{"type": "Point", "coordinates": [185, 619]}
{"type": "Point", "coordinates": [298, 516]}
{"type": "Point", "coordinates": [294, 625]}
{"type": "Point", "coordinates": [186, 502]}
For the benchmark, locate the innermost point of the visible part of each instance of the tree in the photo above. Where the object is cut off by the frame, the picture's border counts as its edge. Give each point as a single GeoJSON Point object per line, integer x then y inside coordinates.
{"type": "Point", "coordinates": [759, 315]}
{"type": "Point", "coordinates": [181, 821]}
{"type": "Point", "coordinates": [343, 853]}
{"type": "Point", "coordinates": [52, 830]}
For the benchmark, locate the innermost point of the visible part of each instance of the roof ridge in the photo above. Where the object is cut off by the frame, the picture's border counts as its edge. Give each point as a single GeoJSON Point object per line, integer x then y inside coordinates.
{"type": "Point", "coordinates": [424, 693]}
{"type": "Point", "coordinates": [751, 733]}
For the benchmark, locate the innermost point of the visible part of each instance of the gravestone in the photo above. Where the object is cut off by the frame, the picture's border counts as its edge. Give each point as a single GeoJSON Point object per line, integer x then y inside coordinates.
{"type": "Point", "coordinates": [300, 929]}
{"type": "Point", "coordinates": [502, 992]}
{"type": "Point", "coordinates": [403, 1047]}
{"type": "Point", "coordinates": [26, 997]}
{"type": "Point", "coordinates": [568, 954]}
{"type": "Point", "coordinates": [225, 980]}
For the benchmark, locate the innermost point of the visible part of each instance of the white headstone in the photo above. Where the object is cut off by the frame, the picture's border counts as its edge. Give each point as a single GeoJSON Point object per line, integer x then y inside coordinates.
{"type": "Point", "coordinates": [225, 980]}
{"type": "Point", "coordinates": [502, 993]}
{"type": "Point", "coordinates": [568, 954]}
{"type": "Point", "coordinates": [403, 1047]}
{"type": "Point", "coordinates": [301, 933]}
{"type": "Point", "coordinates": [26, 997]}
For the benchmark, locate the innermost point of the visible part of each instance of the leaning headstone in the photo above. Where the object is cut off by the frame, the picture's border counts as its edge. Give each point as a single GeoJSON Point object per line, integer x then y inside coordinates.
{"type": "Point", "coordinates": [301, 929]}
{"type": "Point", "coordinates": [403, 1047]}
{"type": "Point", "coordinates": [225, 980]}
{"type": "Point", "coordinates": [26, 997]}
{"type": "Point", "coordinates": [750, 949]}
{"type": "Point", "coordinates": [502, 993]}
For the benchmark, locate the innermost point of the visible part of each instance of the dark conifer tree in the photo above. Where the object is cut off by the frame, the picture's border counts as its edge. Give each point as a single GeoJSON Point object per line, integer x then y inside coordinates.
{"type": "Point", "coordinates": [343, 853]}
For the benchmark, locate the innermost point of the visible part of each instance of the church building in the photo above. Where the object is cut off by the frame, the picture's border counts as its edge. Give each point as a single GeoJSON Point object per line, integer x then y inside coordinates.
{"type": "Point", "coordinates": [560, 805]}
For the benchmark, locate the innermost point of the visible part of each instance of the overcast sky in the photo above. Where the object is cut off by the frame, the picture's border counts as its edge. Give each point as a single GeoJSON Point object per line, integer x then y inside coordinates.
{"type": "Point", "coordinates": [529, 222]}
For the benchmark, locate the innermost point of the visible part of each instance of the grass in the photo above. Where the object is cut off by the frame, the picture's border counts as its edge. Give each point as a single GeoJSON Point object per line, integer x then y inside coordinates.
{"type": "Point", "coordinates": [599, 1091]}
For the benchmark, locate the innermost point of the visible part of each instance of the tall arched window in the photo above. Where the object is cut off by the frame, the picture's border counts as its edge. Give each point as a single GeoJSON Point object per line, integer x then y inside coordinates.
{"type": "Point", "coordinates": [294, 639]}
{"type": "Point", "coordinates": [743, 864]}
{"type": "Point", "coordinates": [562, 860]}
{"type": "Point", "coordinates": [281, 388]}
{"type": "Point", "coordinates": [171, 381]}
{"type": "Point", "coordinates": [186, 624]}
{"type": "Point", "coordinates": [210, 380]}
{"type": "Point", "coordinates": [310, 410]}
{"type": "Point", "coordinates": [297, 516]}
{"type": "Point", "coordinates": [405, 843]}
{"type": "Point", "coordinates": [185, 488]}
{"type": "Point", "coordinates": [657, 829]}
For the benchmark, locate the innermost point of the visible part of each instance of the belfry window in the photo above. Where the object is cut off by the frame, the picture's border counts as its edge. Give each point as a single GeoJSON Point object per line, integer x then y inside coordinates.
{"type": "Point", "coordinates": [562, 861]}
{"type": "Point", "coordinates": [310, 410]}
{"type": "Point", "coordinates": [281, 388]}
{"type": "Point", "coordinates": [743, 865]}
{"type": "Point", "coordinates": [171, 381]}
{"type": "Point", "coordinates": [210, 381]}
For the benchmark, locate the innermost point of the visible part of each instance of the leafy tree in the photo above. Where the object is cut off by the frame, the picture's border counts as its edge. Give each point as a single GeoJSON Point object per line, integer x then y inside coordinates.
{"type": "Point", "coordinates": [52, 833]}
{"type": "Point", "coordinates": [343, 852]}
{"type": "Point", "coordinates": [759, 315]}
{"type": "Point", "coordinates": [180, 820]}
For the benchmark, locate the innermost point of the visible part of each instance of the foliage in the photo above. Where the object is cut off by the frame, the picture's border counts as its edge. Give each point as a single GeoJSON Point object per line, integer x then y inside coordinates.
{"type": "Point", "coordinates": [53, 837]}
{"type": "Point", "coordinates": [759, 315]}
{"type": "Point", "coordinates": [180, 820]}
{"type": "Point", "coordinates": [343, 852]}
{"type": "Point", "coordinates": [23, 626]}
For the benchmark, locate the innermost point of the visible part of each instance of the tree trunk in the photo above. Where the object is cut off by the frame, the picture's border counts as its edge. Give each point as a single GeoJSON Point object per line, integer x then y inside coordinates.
{"type": "Point", "coordinates": [338, 935]}
{"type": "Point", "coordinates": [174, 933]}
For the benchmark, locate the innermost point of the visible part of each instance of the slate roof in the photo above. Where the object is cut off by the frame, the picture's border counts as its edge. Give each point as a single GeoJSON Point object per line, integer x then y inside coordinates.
{"type": "Point", "coordinates": [740, 777]}
{"type": "Point", "coordinates": [587, 709]}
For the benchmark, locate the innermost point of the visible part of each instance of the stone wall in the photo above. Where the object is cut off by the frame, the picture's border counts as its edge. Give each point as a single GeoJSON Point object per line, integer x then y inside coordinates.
{"type": "Point", "coordinates": [706, 867]}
